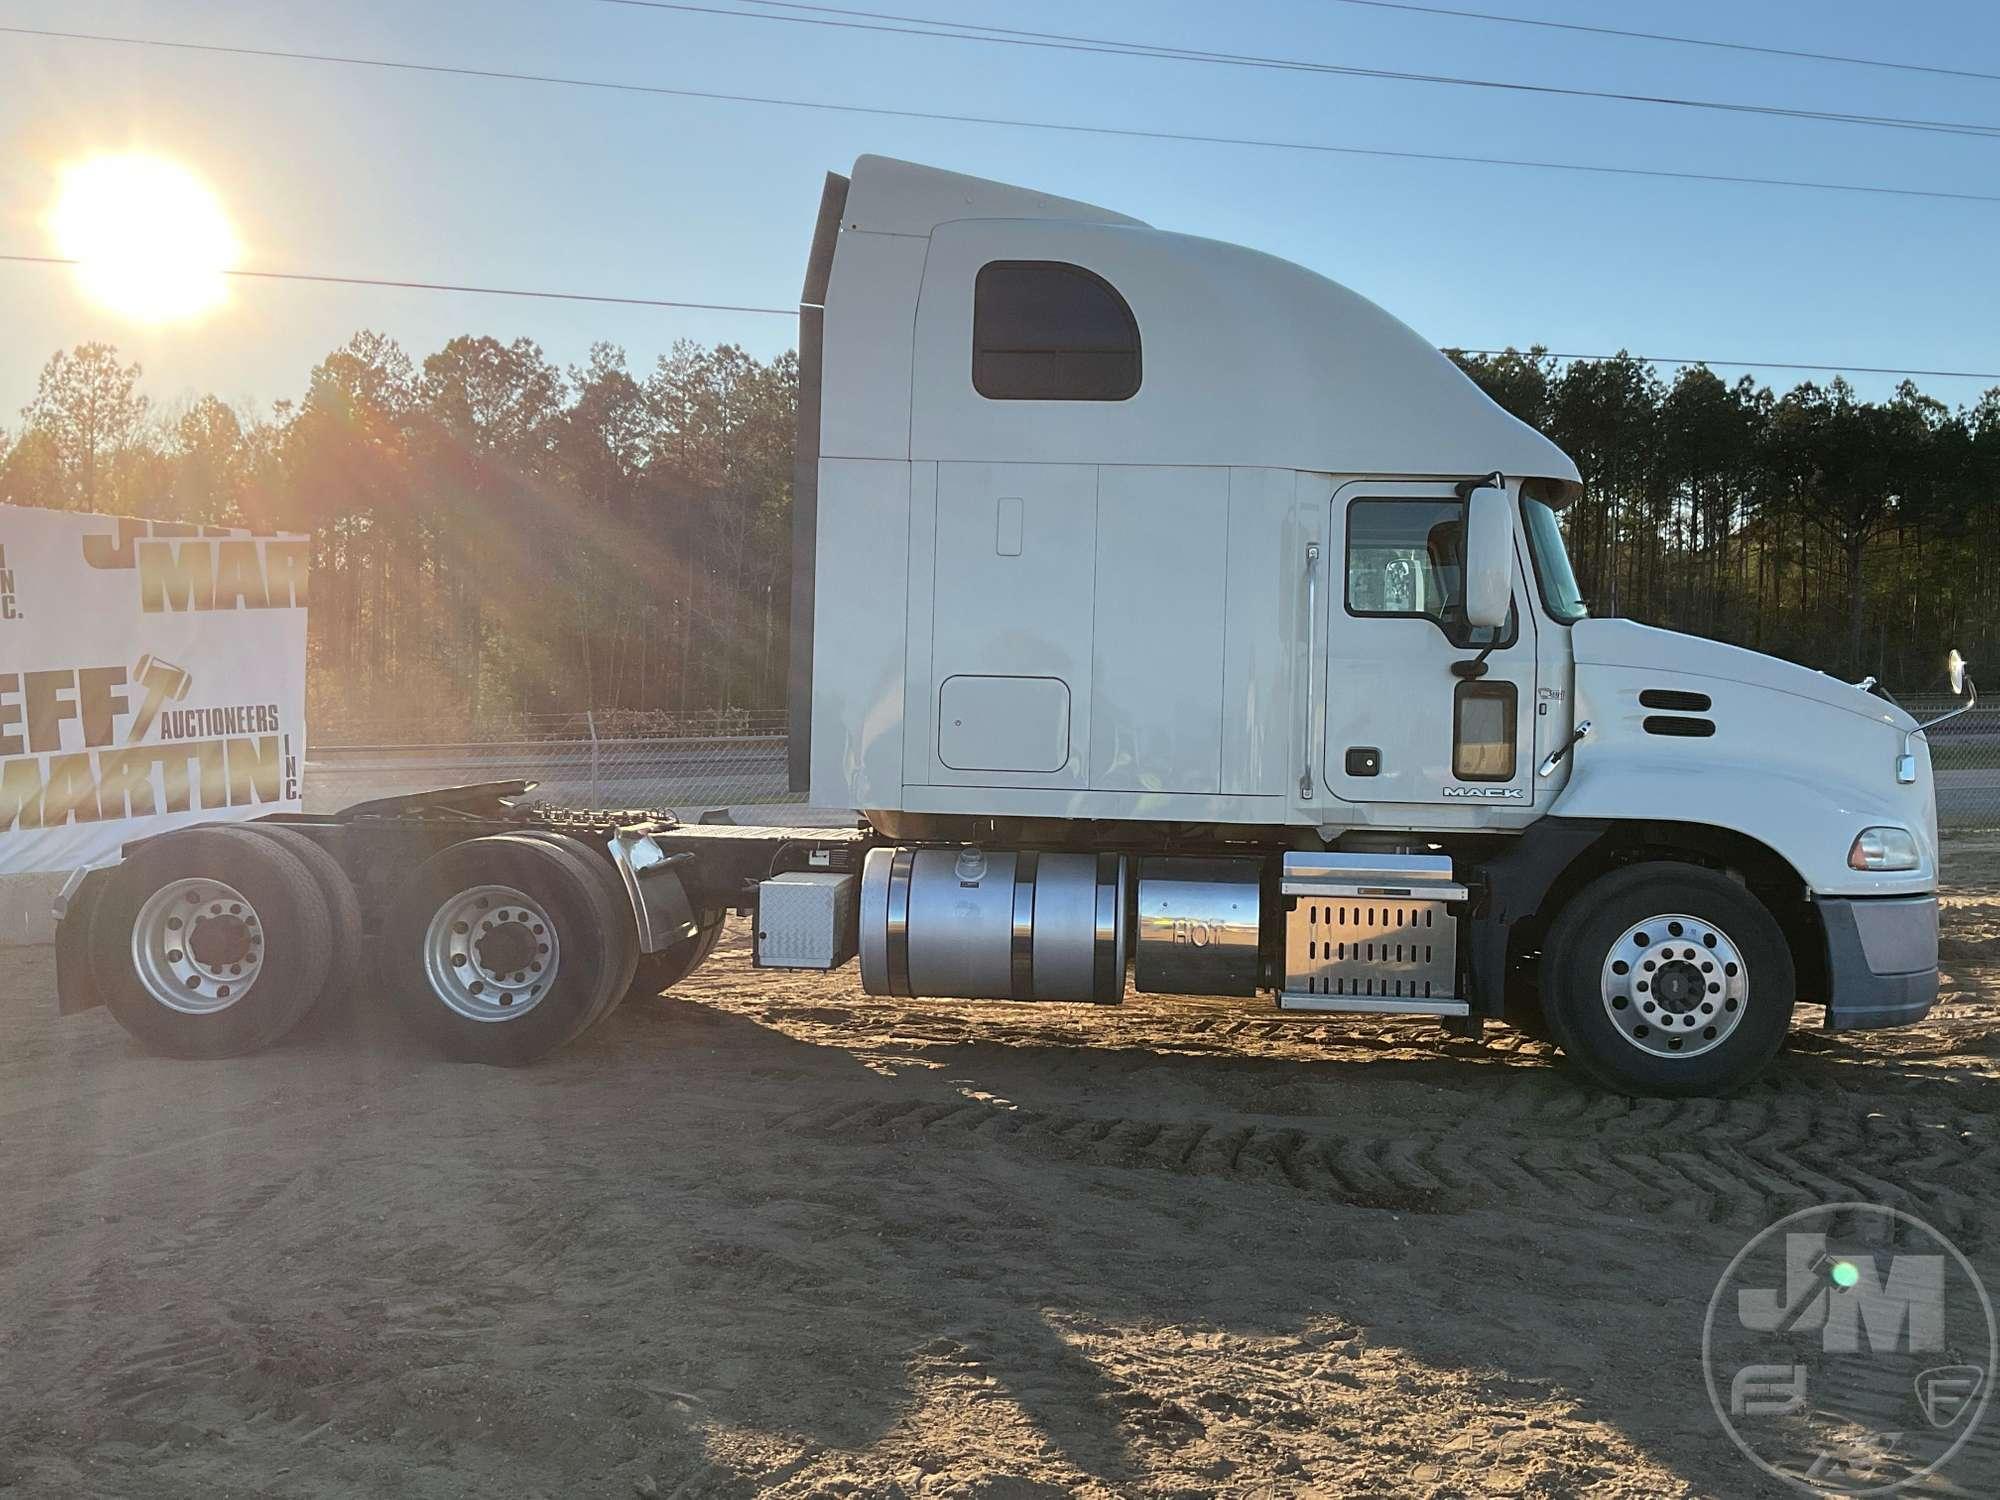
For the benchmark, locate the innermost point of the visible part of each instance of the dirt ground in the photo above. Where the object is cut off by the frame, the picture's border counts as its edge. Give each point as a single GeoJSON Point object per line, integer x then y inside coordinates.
{"type": "Point", "coordinates": [773, 1236]}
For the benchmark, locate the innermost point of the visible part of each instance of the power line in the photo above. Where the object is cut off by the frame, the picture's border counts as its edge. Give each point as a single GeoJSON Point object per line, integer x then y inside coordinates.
{"type": "Point", "coordinates": [1657, 36]}
{"type": "Point", "coordinates": [997, 121]}
{"type": "Point", "coordinates": [401, 284]}
{"type": "Point", "coordinates": [443, 286]}
{"type": "Point", "coordinates": [1112, 46]}
{"type": "Point", "coordinates": [1437, 10]}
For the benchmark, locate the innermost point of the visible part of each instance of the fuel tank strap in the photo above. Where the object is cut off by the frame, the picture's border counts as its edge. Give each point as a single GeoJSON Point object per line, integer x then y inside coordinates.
{"type": "Point", "coordinates": [1022, 951]}
{"type": "Point", "coordinates": [898, 944]}
{"type": "Point", "coordinates": [1109, 982]}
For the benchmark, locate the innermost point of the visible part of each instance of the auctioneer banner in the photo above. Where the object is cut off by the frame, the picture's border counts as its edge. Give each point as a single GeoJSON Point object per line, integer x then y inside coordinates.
{"type": "Point", "coordinates": [151, 676]}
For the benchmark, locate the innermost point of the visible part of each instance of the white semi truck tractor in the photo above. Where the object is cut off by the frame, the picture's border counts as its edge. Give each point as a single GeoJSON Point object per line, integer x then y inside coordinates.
{"type": "Point", "coordinates": [1171, 617]}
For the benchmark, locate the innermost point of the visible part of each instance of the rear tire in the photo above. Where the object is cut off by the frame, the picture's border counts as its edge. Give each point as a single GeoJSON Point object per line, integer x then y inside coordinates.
{"type": "Point", "coordinates": [496, 949]}
{"type": "Point", "coordinates": [660, 972]}
{"type": "Point", "coordinates": [1669, 979]}
{"type": "Point", "coordinates": [210, 944]}
{"type": "Point", "coordinates": [343, 907]}
{"type": "Point", "coordinates": [615, 911]}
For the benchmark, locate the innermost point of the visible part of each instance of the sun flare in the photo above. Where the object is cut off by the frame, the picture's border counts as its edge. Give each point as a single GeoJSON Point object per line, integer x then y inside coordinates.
{"type": "Point", "coordinates": [151, 241]}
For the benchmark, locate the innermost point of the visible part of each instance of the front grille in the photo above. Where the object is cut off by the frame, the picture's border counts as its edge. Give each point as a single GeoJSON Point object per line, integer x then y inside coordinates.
{"type": "Point", "coordinates": [1692, 729]}
{"type": "Point", "coordinates": [1673, 698]}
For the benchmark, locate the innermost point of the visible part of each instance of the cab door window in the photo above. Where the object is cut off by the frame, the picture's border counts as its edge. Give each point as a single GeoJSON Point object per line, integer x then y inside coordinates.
{"type": "Point", "coordinates": [1406, 557]}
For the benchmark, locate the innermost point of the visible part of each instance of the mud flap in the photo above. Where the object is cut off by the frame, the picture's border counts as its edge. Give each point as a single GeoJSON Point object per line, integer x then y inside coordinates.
{"type": "Point", "coordinates": [660, 907]}
{"type": "Point", "coordinates": [76, 989]}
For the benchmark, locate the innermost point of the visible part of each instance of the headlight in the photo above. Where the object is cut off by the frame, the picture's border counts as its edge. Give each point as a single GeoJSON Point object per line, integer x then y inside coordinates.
{"type": "Point", "coordinates": [1883, 849]}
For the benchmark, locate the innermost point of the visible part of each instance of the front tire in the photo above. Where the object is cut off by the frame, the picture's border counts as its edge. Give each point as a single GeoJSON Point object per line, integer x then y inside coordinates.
{"type": "Point", "coordinates": [1667, 978]}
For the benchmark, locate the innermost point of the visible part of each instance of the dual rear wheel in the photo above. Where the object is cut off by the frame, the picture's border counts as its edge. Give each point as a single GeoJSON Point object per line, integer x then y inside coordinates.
{"type": "Point", "coordinates": [503, 948]}
{"type": "Point", "coordinates": [216, 941]}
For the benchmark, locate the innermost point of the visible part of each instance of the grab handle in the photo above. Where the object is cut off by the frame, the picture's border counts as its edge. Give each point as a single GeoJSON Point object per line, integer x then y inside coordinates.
{"type": "Point", "coordinates": [1312, 630]}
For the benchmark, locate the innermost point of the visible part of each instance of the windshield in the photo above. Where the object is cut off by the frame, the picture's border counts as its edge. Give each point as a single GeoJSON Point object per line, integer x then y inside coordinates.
{"type": "Point", "coordinates": [1560, 595]}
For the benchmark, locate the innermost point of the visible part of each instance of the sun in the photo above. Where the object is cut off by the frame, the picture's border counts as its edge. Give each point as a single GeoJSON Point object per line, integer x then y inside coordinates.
{"type": "Point", "coordinates": [150, 240]}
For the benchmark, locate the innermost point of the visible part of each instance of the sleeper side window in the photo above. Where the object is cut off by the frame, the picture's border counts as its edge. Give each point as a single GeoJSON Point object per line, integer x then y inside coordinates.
{"type": "Point", "coordinates": [1045, 330]}
{"type": "Point", "coordinates": [1407, 557]}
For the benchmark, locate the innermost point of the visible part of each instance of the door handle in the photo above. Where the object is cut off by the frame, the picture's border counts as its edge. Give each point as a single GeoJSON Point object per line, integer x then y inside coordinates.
{"type": "Point", "coordinates": [1561, 752]}
{"type": "Point", "coordinates": [1312, 636]}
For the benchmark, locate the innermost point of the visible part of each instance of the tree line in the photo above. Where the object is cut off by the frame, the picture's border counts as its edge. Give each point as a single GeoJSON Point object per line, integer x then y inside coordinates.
{"type": "Point", "coordinates": [1854, 536]}
{"type": "Point", "coordinates": [492, 535]}
{"type": "Point", "coordinates": [495, 535]}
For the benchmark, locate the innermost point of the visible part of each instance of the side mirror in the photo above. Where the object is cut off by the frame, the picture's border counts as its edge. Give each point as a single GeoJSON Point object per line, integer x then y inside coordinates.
{"type": "Point", "coordinates": [1962, 685]}
{"type": "Point", "coordinates": [1489, 558]}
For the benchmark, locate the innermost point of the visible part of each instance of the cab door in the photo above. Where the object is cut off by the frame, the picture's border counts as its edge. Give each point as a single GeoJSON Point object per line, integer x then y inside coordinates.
{"type": "Point", "coordinates": [1401, 726]}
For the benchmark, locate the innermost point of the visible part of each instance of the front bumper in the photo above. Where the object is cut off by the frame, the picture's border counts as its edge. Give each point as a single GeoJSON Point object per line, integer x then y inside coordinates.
{"type": "Point", "coordinates": [1881, 960]}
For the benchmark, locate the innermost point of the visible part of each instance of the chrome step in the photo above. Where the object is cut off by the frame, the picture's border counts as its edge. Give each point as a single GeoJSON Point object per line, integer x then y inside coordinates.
{"type": "Point", "coordinates": [1302, 1001]}
{"type": "Point", "coordinates": [1409, 877]}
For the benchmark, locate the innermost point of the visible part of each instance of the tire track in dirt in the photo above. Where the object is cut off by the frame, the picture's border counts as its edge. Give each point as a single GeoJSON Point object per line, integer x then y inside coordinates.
{"type": "Point", "coordinates": [171, 1246]}
{"type": "Point", "coordinates": [1725, 1161]}
{"type": "Point", "coordinates": [192, 1360]}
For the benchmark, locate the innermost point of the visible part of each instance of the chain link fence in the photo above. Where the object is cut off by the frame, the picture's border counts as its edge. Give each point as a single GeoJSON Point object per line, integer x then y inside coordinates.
{"type": "Point", "coordinates": [695, 763]}
{"type": "Point", "coordinates": [1965, 759]}
{"type": "Point", "coordinates": [690, 763]}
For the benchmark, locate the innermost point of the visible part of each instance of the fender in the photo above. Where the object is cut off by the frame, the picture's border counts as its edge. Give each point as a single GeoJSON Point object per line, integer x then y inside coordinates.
{"type": "Point", "coordinates": [1810, 823]}
{"type": "Point", "coordinates": [653, 884]}
{"type": "Point", "coordinates": [76, 984]}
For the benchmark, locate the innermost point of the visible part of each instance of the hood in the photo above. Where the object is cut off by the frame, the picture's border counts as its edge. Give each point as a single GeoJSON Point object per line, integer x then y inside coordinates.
{"type": "Point", "coordinates": [1622, 643]}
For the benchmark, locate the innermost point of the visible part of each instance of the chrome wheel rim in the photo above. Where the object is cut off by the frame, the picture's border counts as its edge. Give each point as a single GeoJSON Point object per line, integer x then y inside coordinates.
{"type": "Point", "coordinates": [491, 953]}
{"type": "Point", "coordinates": [197, 946]}
{"type": "Point", "coordinates": [1675, 986]}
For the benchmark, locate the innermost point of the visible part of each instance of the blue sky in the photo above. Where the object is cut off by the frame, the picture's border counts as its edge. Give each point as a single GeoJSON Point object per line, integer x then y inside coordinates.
{"type": "Point", "coordinates": [362, 172]}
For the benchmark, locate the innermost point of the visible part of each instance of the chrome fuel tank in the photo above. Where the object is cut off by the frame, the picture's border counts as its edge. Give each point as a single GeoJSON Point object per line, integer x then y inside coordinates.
{"type": "Point", "coordinates": [994, 925]}
{"type": "Point", "coordinates": [1199, 922]}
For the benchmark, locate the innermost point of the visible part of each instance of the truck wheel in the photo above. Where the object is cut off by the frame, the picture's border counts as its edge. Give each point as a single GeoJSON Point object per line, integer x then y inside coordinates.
{"type": "Point", "coordinates": [1668, 979]}
{"type": "Point", "coordinates": [496, 949]}
{"type": "Point", "coordinates": [336, 891]}
{"type": "Point", "coordinates": [1526, 1016]}
{"type": "Point", "coordinates": [621, 932]}
{"type": "Point", "coordinates": [209, 944]}
{"type": "Point", "coordinates": [660, 972]}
